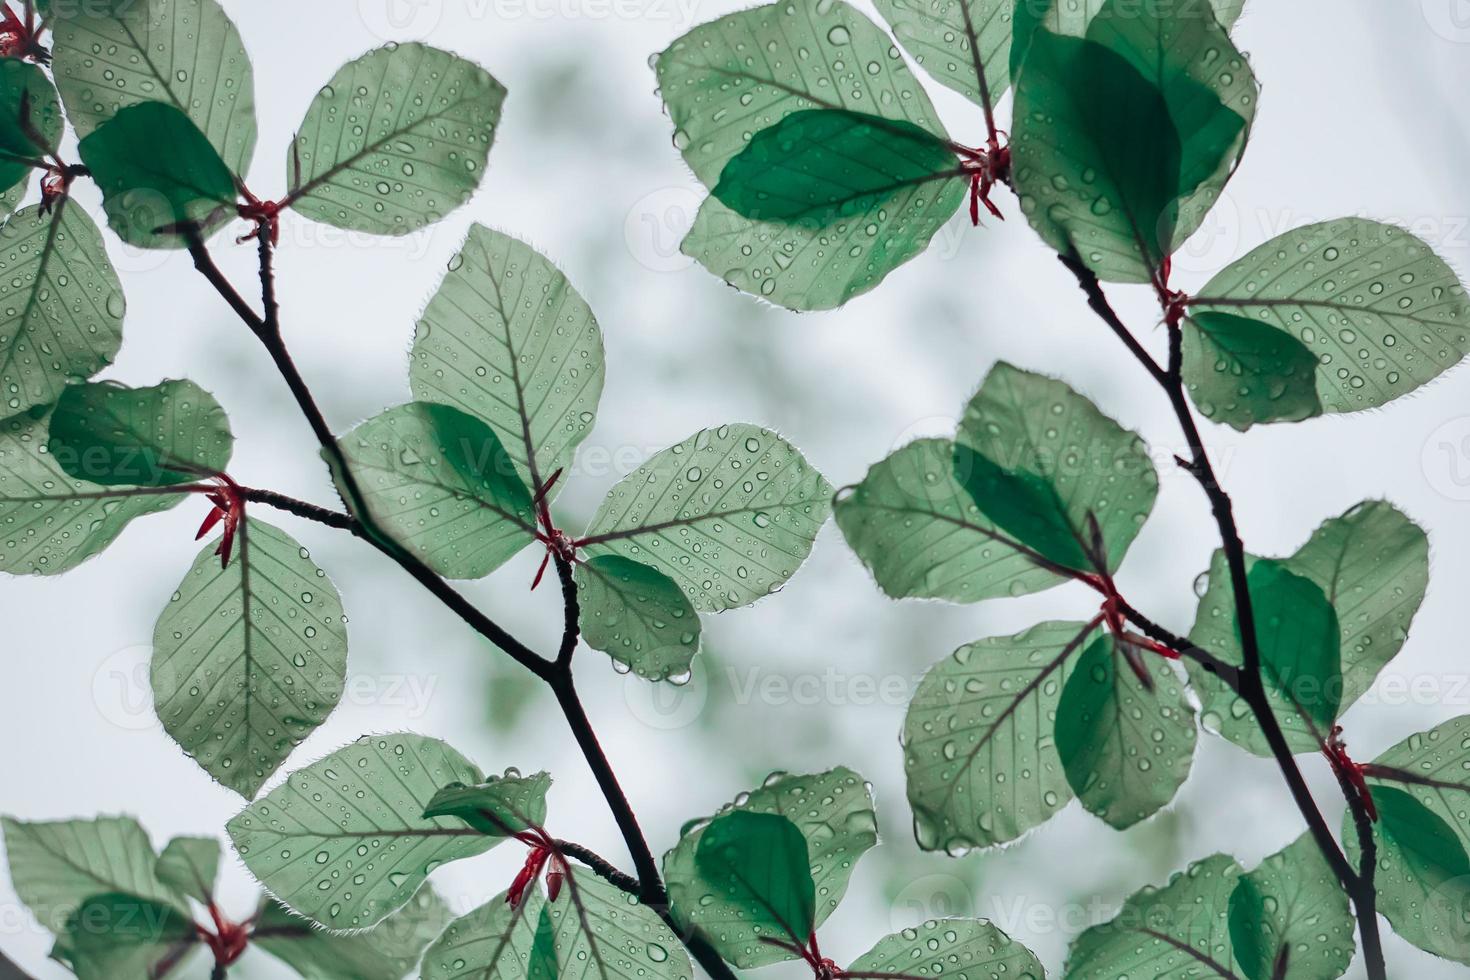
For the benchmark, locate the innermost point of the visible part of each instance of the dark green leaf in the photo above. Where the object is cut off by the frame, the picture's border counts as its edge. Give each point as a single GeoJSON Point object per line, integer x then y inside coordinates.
{"type": "Point", "coordinates": [174, 432]}
{"type": "Point", "coordinates": [249, 658]}
{"type": "Point", "coordinates": [1289, 918]}
{"type": "Point", "coordinates": [112, 54]}
{"type": "Point", "coordinates": [963, 44]}
{"type": "Point", "coordinates": [499, 807]}
{"type": "Point", "coordinates": [124, 937]}
{"type": "Point", "coordinates": [718, 95]}
{"type": "Point", "coordinates": [508, 340]}
{"type": "Point", "coordinates": [820, 166]}
{"type": "Point", "coordinates": [1242, 372]}
{"type": "Point", "coordinates": [159, 176]}
{"type": "Point", "coordinates": [638, 616]}
{"type": "Point", "coordinates": [834, 812]}
{"type": "Point", "coordinates": [1180, 930]}
{"type": "Point", "coordinates": [980, 752]}
{"type": "Point", "coordinates": [49, 522]}
{"type": "Point", "coordinates": [441, 484]}
{"type": "Point", "coordinates": [920, 533]}
{"type": "Point", "coordinates": [30, 120]}
{"type": "Point", "coordinates": [55, 867]}
{"type": "Point", "coordinates": [939, 945]}
{"type": "Point", "coordinates": [395, 141]}
{"type": "Point", "coordinates": [1380, 312]}
{"type": "Point", "coordinates": [61, 305]}
{"type": "Point", "coordinates": [1298, 634]}
{"type": "Point", "coordinates": [190, 865]}
{"type": "Point", "coordinates": [389, 950]}
{"type": "Point", "coordinates": [758, 862]}
{"type": "Point", "coordinates": [1043, 463]}
{"type": "Point", "coordinates": [729, 514]}
{"type": "Point", "coordinates": [1126, 749]}
{"type": "Point", "coordinates": [368, 824]}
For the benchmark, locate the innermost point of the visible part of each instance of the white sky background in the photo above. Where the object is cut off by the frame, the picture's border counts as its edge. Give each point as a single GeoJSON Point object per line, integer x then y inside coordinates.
{"type": "Point", "coordinates": [1360, 114]}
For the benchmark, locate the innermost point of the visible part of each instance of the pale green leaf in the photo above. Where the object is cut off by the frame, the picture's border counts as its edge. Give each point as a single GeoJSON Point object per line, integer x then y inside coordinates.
{"type": "Point", "coordinates": [638, 616]}
{"type": "Point", "coordinates": [174, 432]}
{"type": "Point", "coordinates": [56, 866]}
{"type": "Point", "coordinates": [1378, 309]}
{"type": "Point", "coordinates": [1180, 930]}
{"type": "Point", "coordinates": [729, 514]}
{"type": "Point", "coordinates": [508, 340]}
{"type": "Point", "coordinates": [389, 950]}
{"type": "Point", "coordinates": [440, 483]}
{"type": "Point", "coordinates": [368, 825]}
{"type": "Point", "coordinates": [980, 753]}
{"type": "Point", "coordinates": [963, 44]}
{"type": "Point", "coordinates": [1037, 434]}
{"type": "Point", "coordinates": [1372, 563]}
{"type": "Point", "coordinates": [1125, 748]}
{"type": "Point", "coordinates": [834, 812]}
{"type": "Point", "coordinates": [249, 658]}
{"type": "Point", "coordinates": [1289, 918]}
{"type": "Point", "coordinates": [1242, 372]}
{"type": "Point", "coordinates": [30, 120]}
{"type": "Point", "coordinates": [498, 807]}
{"type": "Point", "coordinates": [190, 866]}
{"type": "Point", "coordinates": [61, 305]}
{"type": "Point", "coordinates": [162, 182]}
{"type": "Point", "coordinates": [497, 941]}
{"type": "Point", "coordinates": [185, 53]}
{"type": "Point", "coordinates": [49, 522]}
{"type": "Point", "coordinates": [940, 945]}
{"type": "Point", "coordinates": [394, 141]}
{"type": "Point", "coordinates": [920, 533]}
{"type": "Point", "coordinates": [124, 937]}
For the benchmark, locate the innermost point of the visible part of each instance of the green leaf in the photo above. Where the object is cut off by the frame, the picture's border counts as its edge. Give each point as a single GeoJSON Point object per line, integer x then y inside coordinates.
{"type": "Point", "coordinates": [56, 866]}
{"type": "Point", "coordinates": [962, 44]}
{"type": "Point", "coordinates": [499, 807]}
{"type": "Point", "coordinates": [1125, 749]}
{"type": "Point", "coordinates": [61, 305]}
{"type": "Point", "coordinates": [1243, 372]}
{"type": "Point", "coordinates": [249, 658]}
{"type": "Point", "coordinates": [942, 944]}
{"type": "Point", "coordinates": [389, 950]}
{"type": "Point", "coordinates": [717, 96]}
{"type": "Point", "coordinates": [1289, 918]}
{"type": "Point", "coordinates": [508, 340]}
{"type": "Point", "coordinates": [49, 522]}
{"type": "Point", "coordinates": [918, 530]}
{"type": "Point", "coordinates": [30, 120]}
{"type": "Point", "coordinates": [1372, 564]}
{"type": "Point", "coordinates": [159, 176]}
{"type": "Point", "coordinates": [440, 483]}
{"type": "Point", "coordinates": [1074, 16]}
{"type": "Point", "coordinates": [1038, 458]}
{"type": "Point", "coordinates": [1124, 137]}
{"type": "Point", "coordinates": [592, 930]}
{"type": "Point", "coordinates": [758, 863]}
{"type": "Point", "coordinates": [124, 937]}
{"type": "Point", "coordinates": [729, 514]}
{"type": "Point", "coordinates": [638, 616]}
{"type": "Point", "coordinates": [395, 141]}
{"type": "Point", "coordinates": [1180, 930]}
{"type": "Point", "coordinates": [1298, 635]}
{"type": "Point", "coordinates": [10, 200]}
{"type": "Point", "coordinates": [190, 865]}
{"type": "Point", "coordinates": [182, 53]}
{"type": "Point", "coordinates": [369, 824]}
{"type": "Point", "coordinates": [1421, 789]}
{"type": "Point", "coordinates": [174, 432]}
{"type": "Point", "coordinates": [1380, 312]}
{"type": "Point", "coordinates": [834, 812]}
{"type": "Point", "coordinates": [820, 166]}
{"type": "Point", "coordinates": [1423, 876]}
{"type": "Point", "coordinates": [980, 755]}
